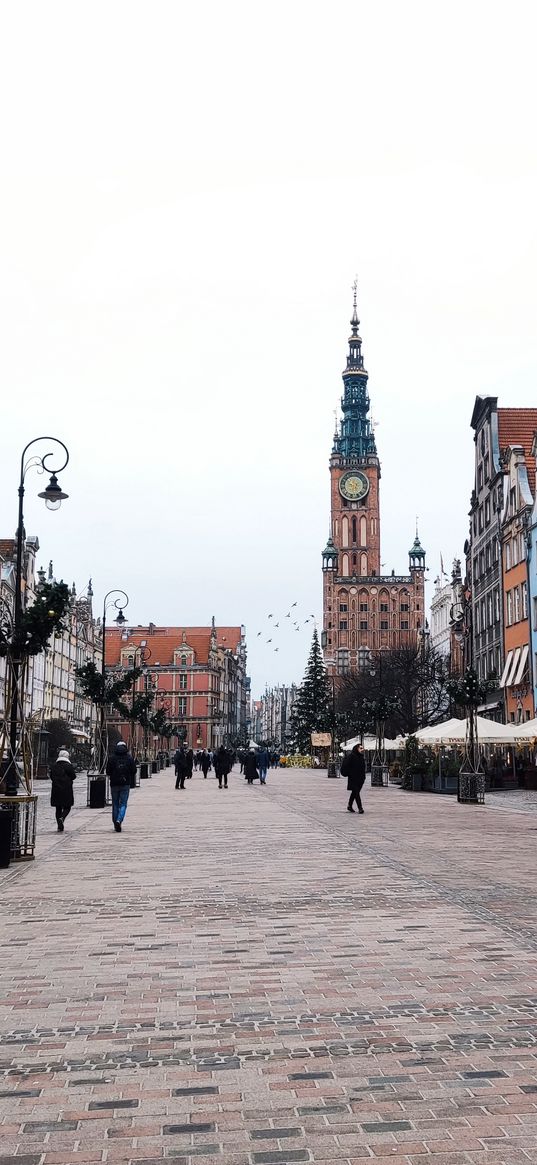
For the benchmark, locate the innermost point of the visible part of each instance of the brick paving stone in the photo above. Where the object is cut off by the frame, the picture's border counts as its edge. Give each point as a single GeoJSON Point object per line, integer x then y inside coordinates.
{"type": "Point", "coordinates": [271, 981]}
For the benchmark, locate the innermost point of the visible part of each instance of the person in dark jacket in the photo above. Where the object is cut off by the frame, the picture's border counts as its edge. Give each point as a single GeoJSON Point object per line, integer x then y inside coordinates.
{"type": "Point", "coordinates": [263, 761]}
{"type": "Point", "coordinates": [181, 768]}
{"type": "Point", "coordinates": [251, 770]}
{"type": "Point", "coordinates": [222, 766]}
{"type": "Point", "coordinates": [353, 768]}
{"type": "Point", "coordinates": [190, 764]}
{"type": "Point", "coordinates": [121, 768]}
{"type": "Point", "coordinates": [62, 775]}
{"type": "Point", "coordinates": [205, 763]}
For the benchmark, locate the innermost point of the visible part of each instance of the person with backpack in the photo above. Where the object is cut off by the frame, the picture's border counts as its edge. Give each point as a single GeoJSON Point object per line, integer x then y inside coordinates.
{"type": "Point", "coordinates": [120, 768]}
{"type": "Point", "coordinates": [62, 775]}
{"type": "Point", "coordinates": [353, 768]}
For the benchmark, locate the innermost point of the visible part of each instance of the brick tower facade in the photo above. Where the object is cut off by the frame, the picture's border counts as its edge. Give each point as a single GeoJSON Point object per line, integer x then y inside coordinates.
{"type": "Point", "coordinates": [363, 611]}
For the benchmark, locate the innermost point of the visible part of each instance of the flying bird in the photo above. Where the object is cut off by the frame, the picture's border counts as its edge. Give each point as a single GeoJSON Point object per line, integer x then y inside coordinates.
{"type": "Point", "coordinates": [276, 624]}
{"type": "Point", "coordinates": [276, 649]}
{"type": "Point", "coordinates": [269, 640]}
{"type": "Point", "coordinates": [269, 616]}
{"type": "Point", "coordinates": [258, 634]}
{"type": "Point", "coordinates": [293, 605]}
{"type": "Point", "coordinates": [288, 615]}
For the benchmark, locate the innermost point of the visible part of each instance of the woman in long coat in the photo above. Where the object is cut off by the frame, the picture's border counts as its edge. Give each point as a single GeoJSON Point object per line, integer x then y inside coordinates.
{"type": "Point", "coordinates": [62, 775]}
{"type": "Point", "coordinates": [353, 768]}
{"type": "Point", "coordinates": [251, 770]}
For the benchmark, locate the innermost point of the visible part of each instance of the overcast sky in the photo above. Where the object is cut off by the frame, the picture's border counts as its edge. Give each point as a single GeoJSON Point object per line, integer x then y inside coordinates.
{"type": "Point", "coordinates": [186, 194]}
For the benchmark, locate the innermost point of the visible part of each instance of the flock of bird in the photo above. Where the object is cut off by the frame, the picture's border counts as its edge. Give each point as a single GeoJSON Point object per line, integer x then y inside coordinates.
{"type": "Point", "coordinates": [276, 625]}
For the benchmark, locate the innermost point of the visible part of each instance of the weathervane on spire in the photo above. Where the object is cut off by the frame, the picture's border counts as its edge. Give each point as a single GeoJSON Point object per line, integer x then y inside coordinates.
{"type": "Point", "coordinates": [355, 321]}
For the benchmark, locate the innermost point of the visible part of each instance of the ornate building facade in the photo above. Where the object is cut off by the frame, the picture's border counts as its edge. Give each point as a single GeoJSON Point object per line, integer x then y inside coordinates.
{"type": "Point", "coordinates": [497, 556]}
{"type": "Point", "coordinates": [197, 675]}
{"type": "Point", "coordinates": [363, 610]}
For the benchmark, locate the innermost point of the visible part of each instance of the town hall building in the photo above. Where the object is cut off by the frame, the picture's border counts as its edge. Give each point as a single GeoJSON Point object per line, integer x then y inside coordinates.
{"type": "Point", "coordinates": [363, 610]}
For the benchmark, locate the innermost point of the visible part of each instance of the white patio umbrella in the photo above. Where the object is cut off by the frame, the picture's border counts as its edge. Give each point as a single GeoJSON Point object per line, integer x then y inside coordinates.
{"type": "Point", "coordinates": [454, 732]}
{"type": "Point", "coordinates": [526, 731]}
{"type": "Point", "coordinates": [370, 743]}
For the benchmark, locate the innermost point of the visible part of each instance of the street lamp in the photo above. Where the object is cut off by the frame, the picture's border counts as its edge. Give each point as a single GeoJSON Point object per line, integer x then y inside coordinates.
{"type": "Point", "coordinates": [119, 602]}
{"type": "Point", "coordinates": [53, 497]}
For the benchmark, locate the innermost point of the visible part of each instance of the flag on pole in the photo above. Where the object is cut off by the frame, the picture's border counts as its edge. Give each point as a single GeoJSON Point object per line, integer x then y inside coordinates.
{"type": "Point", "coordinates": [442, 571]}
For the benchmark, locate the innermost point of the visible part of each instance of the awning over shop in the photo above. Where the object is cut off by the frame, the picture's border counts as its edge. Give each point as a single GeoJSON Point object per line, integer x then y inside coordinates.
{"type": "Point", "coordinates": [510, 665]}
{"type": "Point", "coordinates": [515, 666]}
{"type": "Point", "coordinates": [522, 665]}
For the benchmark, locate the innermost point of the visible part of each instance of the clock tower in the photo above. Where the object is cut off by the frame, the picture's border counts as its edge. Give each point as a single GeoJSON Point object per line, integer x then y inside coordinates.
{"type": "Point", "coordinates": [363, 611]}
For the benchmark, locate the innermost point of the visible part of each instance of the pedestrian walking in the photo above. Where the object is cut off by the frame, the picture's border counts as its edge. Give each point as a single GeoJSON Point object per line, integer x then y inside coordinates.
{"type": "Point", "coordinates": [62, 775]}
{"type": "Point", "coordinates": [250, 767]}
{"type": "Point", "coordinates": [189, 764]}
{"type": "Point", "coordinates": [263, 760]}
{"type": "Point", "coordinates": [222, 766]}
{"type": "Point", "coordinates": [121, 768]}
{"type": "Point", "coordinates": [353, 768]}
{"type": "Point", "coordinates": [181, 768]}
{"type": "Point", "coordinates": [205, 763]}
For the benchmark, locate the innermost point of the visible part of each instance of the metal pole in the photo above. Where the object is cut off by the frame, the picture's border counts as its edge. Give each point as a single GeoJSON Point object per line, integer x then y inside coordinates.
{"type": "Point", "coordinates": [102, 749]}
{"type": "Point", "coordinates": [11, 773]}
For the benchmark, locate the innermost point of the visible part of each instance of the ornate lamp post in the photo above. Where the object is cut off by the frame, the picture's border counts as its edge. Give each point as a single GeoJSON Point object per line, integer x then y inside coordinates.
{"type": "Point", "coordinates": [53, 496]}
{"type": "Point", "coordinates": [120, 601]}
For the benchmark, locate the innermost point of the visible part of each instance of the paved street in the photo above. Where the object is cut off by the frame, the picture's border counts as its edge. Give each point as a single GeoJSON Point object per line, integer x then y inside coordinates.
{"type": "Point", "coordinates": [256, 976]}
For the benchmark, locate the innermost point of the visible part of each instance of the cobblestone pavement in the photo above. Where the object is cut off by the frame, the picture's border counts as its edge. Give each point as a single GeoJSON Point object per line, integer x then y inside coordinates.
{"type": "Point", "coordinates": [255, 977]}
{"type": "Point", "coordinates": [525, 800]}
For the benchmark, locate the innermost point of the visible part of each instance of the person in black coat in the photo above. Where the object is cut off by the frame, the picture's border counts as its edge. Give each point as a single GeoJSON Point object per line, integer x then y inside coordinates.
{"type": "Point", "coordinates": [205, 763]}
{"type": "Point", "coordinates": [222, 766]}
{"type": "Point", "coordinates": [251, 770]}
{"type": "Point", "coordinates": [181, 768]}
{"type": "Point", "coordinates": [190, 764]}
{"type": "Point", "coordinates": [353, 768]}
{"type": "Point", "coordinates": [62, 775]}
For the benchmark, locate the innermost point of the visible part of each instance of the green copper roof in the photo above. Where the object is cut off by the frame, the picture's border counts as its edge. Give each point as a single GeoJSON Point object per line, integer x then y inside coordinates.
{"type": "Point", "coordinates": [355, 437]}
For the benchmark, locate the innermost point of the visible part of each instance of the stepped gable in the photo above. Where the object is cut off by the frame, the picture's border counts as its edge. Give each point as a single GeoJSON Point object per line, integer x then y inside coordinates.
{"type": "Point", "coordinates": [517, 427]}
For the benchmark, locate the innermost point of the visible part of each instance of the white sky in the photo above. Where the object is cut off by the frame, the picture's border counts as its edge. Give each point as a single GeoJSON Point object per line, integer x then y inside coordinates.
{"type": "Point", "coordinates": [186, 193]}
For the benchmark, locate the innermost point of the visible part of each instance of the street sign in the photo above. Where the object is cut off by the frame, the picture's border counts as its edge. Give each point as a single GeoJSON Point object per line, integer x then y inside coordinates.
{"type": "Point", "coordinates": [321, 740]}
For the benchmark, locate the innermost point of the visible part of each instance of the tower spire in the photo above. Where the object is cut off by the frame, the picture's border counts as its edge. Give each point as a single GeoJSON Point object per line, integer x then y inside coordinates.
{"type": "Point", "coordinates": [355, 437]}
{"type": "Point", "coordinates": [355, 322]}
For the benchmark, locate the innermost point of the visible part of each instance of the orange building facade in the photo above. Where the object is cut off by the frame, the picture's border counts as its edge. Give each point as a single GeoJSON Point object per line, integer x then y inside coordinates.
{"type": "Point", "coordinates": [196, 674]}
{"type": "Point", "coordinates": [363, 610]}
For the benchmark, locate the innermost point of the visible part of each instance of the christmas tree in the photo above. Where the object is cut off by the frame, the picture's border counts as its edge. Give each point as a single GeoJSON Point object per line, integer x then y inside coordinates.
{"type": "Point", "coordinates": [312, 708]}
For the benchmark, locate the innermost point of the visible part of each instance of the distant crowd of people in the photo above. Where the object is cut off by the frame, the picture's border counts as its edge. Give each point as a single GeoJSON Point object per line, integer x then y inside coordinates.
{"type": "Point", "coordinates": [254, 763]}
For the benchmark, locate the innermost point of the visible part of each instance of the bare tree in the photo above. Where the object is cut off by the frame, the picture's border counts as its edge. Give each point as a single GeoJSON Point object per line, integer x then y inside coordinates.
{"type": "Point", "coordinates": [412, 679]}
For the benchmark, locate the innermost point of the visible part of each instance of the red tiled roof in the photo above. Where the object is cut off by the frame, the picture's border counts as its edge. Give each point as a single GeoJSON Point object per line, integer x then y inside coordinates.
{"type": "Point", "coordinates": [163, 641]}
{"type": "Point", "coordinates": [517, 427]}
{"type": "Point", "coordinates": [7, 547]}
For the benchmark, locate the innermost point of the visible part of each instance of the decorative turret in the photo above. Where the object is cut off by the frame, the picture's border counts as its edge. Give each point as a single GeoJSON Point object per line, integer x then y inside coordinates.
{"type": "Point", "coordinates": [416, 554]}
{"type": "Point", "coordinates": [330, 556]}
{"type": "Point", "coordinates": [356, 438]}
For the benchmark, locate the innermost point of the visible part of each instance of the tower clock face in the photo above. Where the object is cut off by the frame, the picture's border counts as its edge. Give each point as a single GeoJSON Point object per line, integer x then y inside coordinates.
{"type": "Point", "coordinates": [353, 485]}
